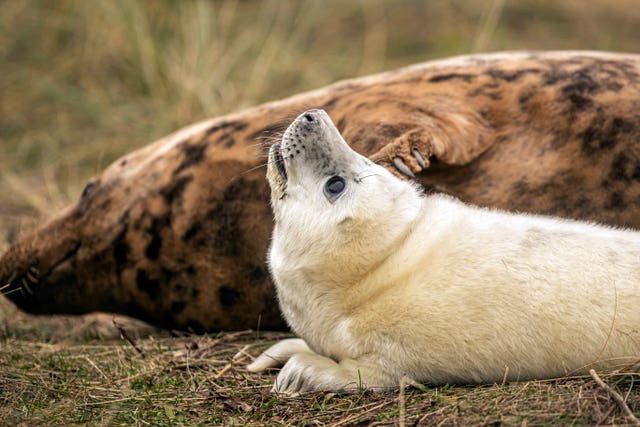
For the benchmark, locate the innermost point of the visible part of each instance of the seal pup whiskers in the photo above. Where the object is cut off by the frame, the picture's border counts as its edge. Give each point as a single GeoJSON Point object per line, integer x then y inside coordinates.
{"type": "Point", "coordinates": [380, 281]}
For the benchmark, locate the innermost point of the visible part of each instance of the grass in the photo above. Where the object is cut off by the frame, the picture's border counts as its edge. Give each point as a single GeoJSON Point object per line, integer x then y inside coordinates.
{"type": "Point", "coordinates": [201, 380]}
{"type": "Point", "coordinates": [85, 82]}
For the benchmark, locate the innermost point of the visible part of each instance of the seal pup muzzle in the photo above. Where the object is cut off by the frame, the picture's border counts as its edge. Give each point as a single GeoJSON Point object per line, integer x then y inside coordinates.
{"type": "Point", "coordinates": [381, 282]}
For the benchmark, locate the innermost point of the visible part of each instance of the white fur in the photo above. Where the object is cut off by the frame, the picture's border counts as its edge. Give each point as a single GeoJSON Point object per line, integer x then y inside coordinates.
{"type": "Point", "coordinates": [385, 282]}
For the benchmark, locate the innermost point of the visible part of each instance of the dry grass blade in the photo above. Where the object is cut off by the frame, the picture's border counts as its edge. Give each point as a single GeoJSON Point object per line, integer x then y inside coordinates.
{"type": "Point", "coordinates": [615, 396]}
{"type": "Point", "coordinates": [359, 414]}
{"type": "Point", "coordinates": [126, 336]}
{"type": "Point", "coordinates": [402, 412]}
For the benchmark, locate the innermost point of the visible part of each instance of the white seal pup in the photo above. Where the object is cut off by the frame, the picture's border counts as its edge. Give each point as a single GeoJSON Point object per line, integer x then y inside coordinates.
{"type": "Point", "coordinates": [381, 281]}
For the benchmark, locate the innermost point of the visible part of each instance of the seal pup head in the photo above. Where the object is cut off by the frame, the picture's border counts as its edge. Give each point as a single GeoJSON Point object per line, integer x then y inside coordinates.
{"type": "Point", "coordinates": [335, 210]}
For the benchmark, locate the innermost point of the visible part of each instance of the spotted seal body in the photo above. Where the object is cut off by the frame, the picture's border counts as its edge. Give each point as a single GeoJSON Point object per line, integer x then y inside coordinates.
{"type": "Point", "coordinates": [176, 233]}
{"type": "Point", "coordinates": [382, 282]}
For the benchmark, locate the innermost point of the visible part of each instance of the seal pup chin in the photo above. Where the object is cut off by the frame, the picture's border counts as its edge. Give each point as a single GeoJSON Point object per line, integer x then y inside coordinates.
{"type": "Point", "coordinates": [381, 282]}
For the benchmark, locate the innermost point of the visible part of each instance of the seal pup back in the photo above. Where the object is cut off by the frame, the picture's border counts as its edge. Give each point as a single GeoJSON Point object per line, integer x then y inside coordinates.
{"type": "Point", "coordinates": [380, 281]}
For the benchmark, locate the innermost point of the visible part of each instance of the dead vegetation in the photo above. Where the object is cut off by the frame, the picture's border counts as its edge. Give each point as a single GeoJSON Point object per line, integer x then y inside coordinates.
{"type": "Point", "coordinates": [201, 380]}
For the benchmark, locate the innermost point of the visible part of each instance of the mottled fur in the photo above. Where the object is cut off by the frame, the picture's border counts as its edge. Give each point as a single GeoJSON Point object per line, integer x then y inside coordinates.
{"type": "Point", "coordinates": [176, 233]}
{"type": "Point", "coordinates": [382, 282]}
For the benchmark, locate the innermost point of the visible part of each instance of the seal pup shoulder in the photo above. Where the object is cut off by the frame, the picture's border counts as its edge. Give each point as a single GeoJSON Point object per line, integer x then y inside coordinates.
{"type": "Point", "coordinates": [381, 281]}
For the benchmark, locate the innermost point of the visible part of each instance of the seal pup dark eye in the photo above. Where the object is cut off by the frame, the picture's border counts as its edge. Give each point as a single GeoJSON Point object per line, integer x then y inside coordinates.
{"type": "Point", "coordinates": [334, 187]}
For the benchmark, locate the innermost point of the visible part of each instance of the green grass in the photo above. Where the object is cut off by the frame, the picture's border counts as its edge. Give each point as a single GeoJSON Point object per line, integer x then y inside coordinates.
{"type": "Point", "coordinates": [201, 380]}
{"type": "Point", "coordinates": [83, 82]}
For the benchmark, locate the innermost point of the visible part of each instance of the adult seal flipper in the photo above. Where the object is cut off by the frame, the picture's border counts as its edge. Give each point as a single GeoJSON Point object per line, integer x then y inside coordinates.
{"type": "Point", "coordinates": [176, 233]}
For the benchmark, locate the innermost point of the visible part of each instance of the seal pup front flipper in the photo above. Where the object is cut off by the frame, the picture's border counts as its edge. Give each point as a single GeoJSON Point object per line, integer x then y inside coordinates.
{"type": "Point", "coordinates": [278, 354]}
{"type": "Point", "coordinates": [304, 370]}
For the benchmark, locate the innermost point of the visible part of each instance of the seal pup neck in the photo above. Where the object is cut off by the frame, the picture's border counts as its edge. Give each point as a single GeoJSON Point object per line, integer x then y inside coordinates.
{"type": "Point", "coordinates": [337, 214]}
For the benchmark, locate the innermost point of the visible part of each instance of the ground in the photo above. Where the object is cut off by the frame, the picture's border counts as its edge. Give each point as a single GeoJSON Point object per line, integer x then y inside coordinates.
{"type": "Point", "coordinates": [201, 380]}
{"type": "Point", "coordinates": [85, 82]}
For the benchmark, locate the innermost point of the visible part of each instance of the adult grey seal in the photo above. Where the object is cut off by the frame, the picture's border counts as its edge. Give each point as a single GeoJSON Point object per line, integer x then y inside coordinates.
{"type": "Point", "coordinates": [176, 232]}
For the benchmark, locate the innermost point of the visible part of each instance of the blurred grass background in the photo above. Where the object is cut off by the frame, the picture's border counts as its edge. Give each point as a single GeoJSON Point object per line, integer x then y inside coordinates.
{"type": "Point", "coordinates": [83, 82]}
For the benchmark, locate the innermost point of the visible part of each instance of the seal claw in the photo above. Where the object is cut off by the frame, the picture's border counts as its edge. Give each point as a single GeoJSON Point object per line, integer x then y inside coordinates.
{"type": "Point", "coordinates": [419, 158]}
{"type": "Point", "coordinates": [402, 167]}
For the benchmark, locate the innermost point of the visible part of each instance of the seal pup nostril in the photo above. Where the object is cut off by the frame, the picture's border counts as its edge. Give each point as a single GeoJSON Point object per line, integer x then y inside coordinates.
{"type": "Point", "coordinates": [308, 117]}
